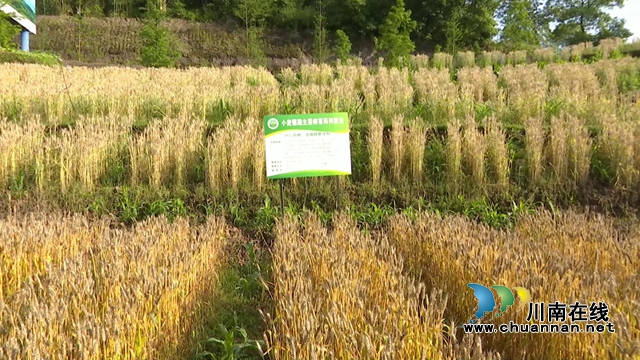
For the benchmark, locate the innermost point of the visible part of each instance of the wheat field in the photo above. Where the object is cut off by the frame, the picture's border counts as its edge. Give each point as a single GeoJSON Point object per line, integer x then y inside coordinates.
{"type": "Point", "coordinates": [558, 128]}
{"type": "Point", "coordinates": [89, 287]}
{"type": "Point", "coordinates": [401, 293]}
{"type": "Point", "coordinates": [75, 288]}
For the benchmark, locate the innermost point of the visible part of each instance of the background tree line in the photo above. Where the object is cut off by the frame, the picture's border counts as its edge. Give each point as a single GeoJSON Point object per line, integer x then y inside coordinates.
{"type": "Point", "coordinates": [449, 24]}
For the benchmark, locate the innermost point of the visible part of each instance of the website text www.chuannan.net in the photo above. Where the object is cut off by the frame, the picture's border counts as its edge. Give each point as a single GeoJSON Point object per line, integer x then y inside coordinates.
{"type": "Point", "coordinates": [515, 328]}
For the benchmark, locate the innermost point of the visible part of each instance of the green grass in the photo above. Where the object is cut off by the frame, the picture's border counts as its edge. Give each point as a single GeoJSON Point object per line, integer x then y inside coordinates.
{"type": "Point", "coordinates": [236, 323]}
{"type": "Point", "coordinates": [25, 57]}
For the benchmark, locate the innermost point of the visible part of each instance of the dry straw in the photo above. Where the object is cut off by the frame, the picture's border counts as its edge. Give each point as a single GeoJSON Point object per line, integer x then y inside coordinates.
{"type": "Point", "coordinates": [557, 150]}
{"type": "Point", "coordinates": [579, 145]}
{"type": "Point", "coordinates": [395, 93]}
{"type": "Point", "coordinates": [159, 165]}
{"type": "Point", "coordinates": [419, 61]}
{"type": "Point", "coordinates": [18, 145]}
{"type": "Point", "coordinates": [288, 76]}
{"type": "Point", "coordinates": [619, 145]}
{"type": "Point", "coordinates": [375, 142]}
{"type": "Point", "coordinates": [415, 146]}
{"type": "Point", "coordinates": [534, 149]}
{"type": "Point", "coordinates": [489, 58]}
{"type": "Point", "coordinates": [474, 149]}
{"type": "Point", "coordinates": [397, 146]}
{"type": "Point", "coordinates": [442, 61]}
{"type": "Point", "coordinates": [436, 91]}
{"type": "Point", "coordinates": [517, 57]}
{"type": "Point", "coordinates": [321, 74]}
{"type": "Point", "coordinates": [498, 160]}
{"type": "Point", "coordinates": [526, 89]}
{"type": "Point", "coordinates": [607, 46]}
{"type": "Point", "coordinates": [577, 80]}
{"type": "Point", "coordinates": [179, 104]}
{"type": "Point", "coordinates": [453, 154]}
{"type": "Point", "coordinates": [478, 84]}
{"type": "Point", "coordinates": [233, 153]}
{"type": "Point", "coordinates": [569, 152]}
{"type": "Point", "coordinates": [466, 59]}
{"type": "Point", "coordinates": [544, 55]}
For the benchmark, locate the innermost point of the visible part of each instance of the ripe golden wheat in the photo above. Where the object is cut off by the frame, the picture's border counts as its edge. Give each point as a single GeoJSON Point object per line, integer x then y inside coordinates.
{"type": "Point", "coordinates": [74, 288]}
{"type": "Point", "coordinates": [400, 293]}
{"type": "Point", "coordinates": [555, 105]}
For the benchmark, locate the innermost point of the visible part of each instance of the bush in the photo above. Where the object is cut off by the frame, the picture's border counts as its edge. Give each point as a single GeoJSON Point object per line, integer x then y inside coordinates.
{"type": "Point", "coordinates": [395, 35]}
{"type": "Point", "coordinates": [23, 57]}
{"type": "Point", "coordinates": [343, 46]}
{"type": "Point", "coordinates": [8, 32]}
{"type": "Point", "coordinates": [159, 47]}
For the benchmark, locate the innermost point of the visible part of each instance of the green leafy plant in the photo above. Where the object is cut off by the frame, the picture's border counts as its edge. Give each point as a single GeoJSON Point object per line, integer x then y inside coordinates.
{"type": "Point", "coordinates": [395, 35]}
{"type": "Point", "coordinates": [265, 216]}
{"type": "Point", "coordinates": [320, 48]}
{"type": "Point", "coordinates": [159, 47]}
{"type": "Point", "coordinates": [453, 33]}
{"type": "Point", "coordinates": [97, 207]}
{"type": "Point", "coordinates": [233, 344]}
{"type": "Point", "coordinates": [24, 57]}
{"type": "Point", "coordinates": [252, 283]}
{"type": "Point", "coordinates": [373, 216]}
{"type": "Point", "coordinates": [239, 215]}
{"type": "Point", "coordinates": [17, 185]}
{"type": "Point", "coordinates": [254, 14]}
{"type": "Point", "coordinates": [8, 32]}
{"type": "Point", "coordinates": [255, 47]}
{"type": "Point", "coordinates": [343, 46]}
{"type": "Point", "coordinates": [129, 207]}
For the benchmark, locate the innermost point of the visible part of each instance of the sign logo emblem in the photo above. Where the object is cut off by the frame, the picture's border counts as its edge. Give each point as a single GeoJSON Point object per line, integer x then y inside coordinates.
{"type": "Point", "coordinates": [273, 123]}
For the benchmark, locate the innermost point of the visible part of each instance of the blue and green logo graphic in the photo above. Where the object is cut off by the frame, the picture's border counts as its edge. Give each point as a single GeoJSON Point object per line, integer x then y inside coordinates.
{"type": "Point", "coordinates": [487, 303]}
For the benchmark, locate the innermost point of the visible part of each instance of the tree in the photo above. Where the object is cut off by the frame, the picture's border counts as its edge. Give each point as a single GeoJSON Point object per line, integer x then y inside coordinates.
{"type": "Point", "coordinates": [320, 47]}
{"type": "Point", "coordinates": [456, 23]}
{"type": "Point", "coordinates": [520, 31]}
{"type": "Point", "coordinates": [454, 36]}
{"type": "Point", "coordinates": [254, 14]}
{"type": "Point", "coordinates": [480, 26]}
{"type": "Point", "coordinates": [159, 48]}
{"type": "Point", "coordinates": [395, 34]}
{"type": "Point", "coordinates": [8, 32]}
{"type": "Point", "coordinates": [349, 15]}
{"type": "Point", "coordinates": [342, 46]}
{"type": "Point", "coordinates": [585, 21]}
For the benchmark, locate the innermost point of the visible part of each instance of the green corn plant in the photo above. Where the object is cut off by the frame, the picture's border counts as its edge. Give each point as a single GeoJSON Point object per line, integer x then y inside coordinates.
{"type": "Point", "coordinates": [232, 349]}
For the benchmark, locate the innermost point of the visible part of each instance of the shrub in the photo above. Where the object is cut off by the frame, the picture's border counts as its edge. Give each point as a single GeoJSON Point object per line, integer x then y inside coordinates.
{"type": "Point", "coordinates": [343, 46]}
{"type": "Point", "coordinates": [158, 45]}
{"type": "Point", "coordinates": [395, 40]}
{"type": "Point", "coordinates": [8, 32]}
{"type": "Point", "coordinates": [23, 57]}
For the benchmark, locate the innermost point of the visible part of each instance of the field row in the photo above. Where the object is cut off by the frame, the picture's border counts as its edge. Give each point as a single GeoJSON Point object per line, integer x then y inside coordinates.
{"type": "Point", "coordinates": [402, 293]}
{"type": "Point", "coordinates": [73, 288]}
{"type": "Point", "coordinates": [480, 157]}
{"type": "Point", "coordinates": [594, 92]}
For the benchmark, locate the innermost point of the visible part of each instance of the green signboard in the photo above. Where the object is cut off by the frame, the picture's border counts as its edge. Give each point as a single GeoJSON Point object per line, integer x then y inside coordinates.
{"type": "Point", "coordinates": [22, 11]}
{"type": "Point", "coordinates": [307, 145]}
